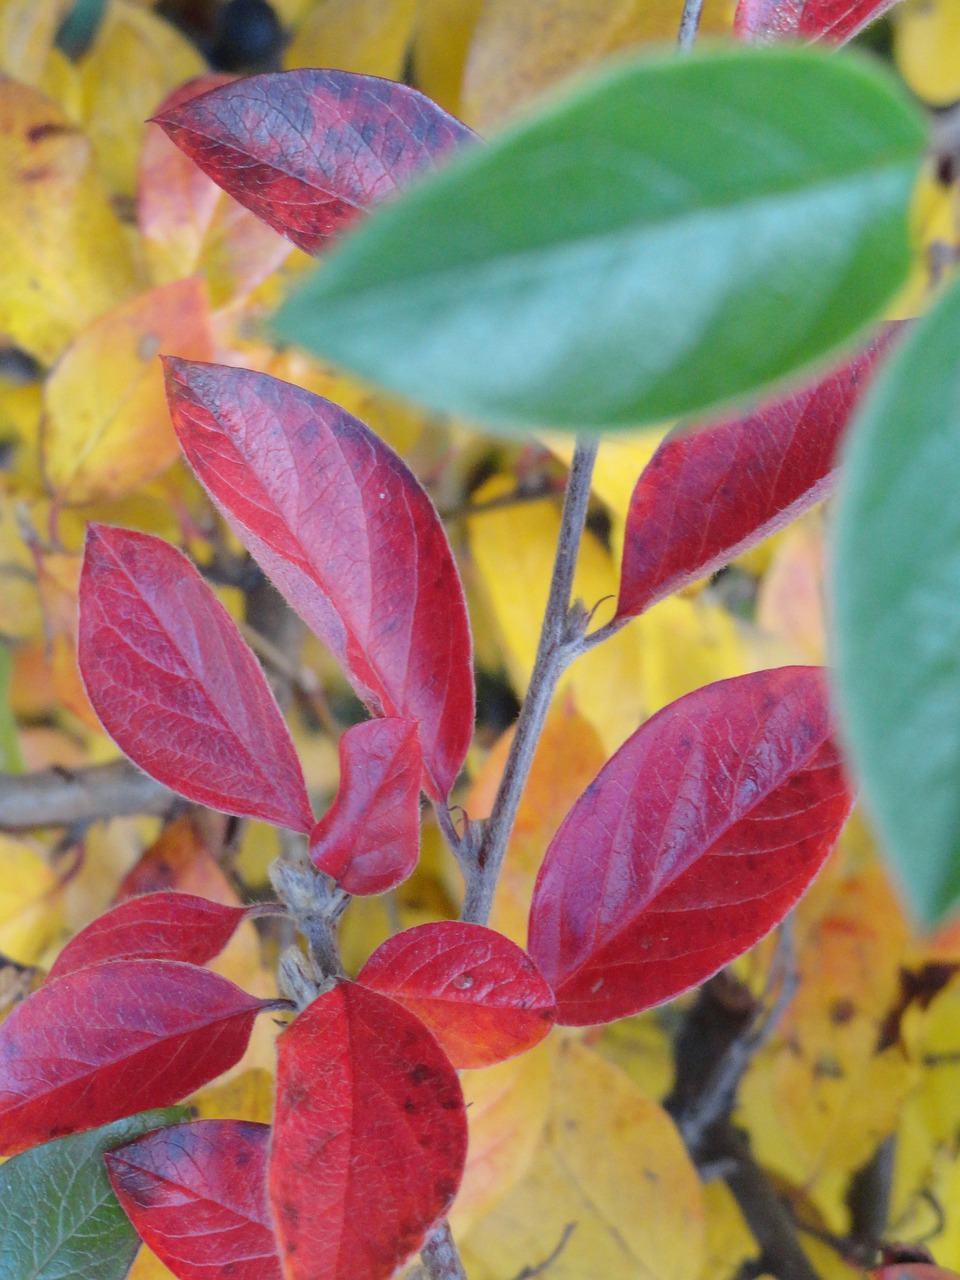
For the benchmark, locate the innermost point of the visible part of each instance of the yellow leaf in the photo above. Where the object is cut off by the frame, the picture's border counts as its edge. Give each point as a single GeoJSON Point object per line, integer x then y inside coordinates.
{"type": "Point", "coordinates": [612, 1163]}
{"type": "Point", "coordinates": [133, 63]}
{"type": "Point", "coordinates": [926, 45]}
{"type": "Point", "coordinates": [934, 240]}
{"type": "Point", "coordinates": [935, 1041]}
{"type": "Point", "coordinates": [147, 1266]}
{"type": "Point", "coordinates": [31, 912]}
{"type": "Point", "coordinates": [61, 82]}
{"type": "Point", "coordinates": [27, 31]}
{"type": "Point", "coordinates": [569, 756]}
{"type": "Point", "coordinates": [519, 50]}
{"type": "Point", "coordinates": [686, 644]}
{"type": "Point", "coordinates": [63, 254]}
{"type": "Point", "coordinates": [822, 1097]}
{"type": "Point", "coordinates": [20, 615]}
{"type": "Point", "coordinates": [507, 1109]}
{"type": "Point", "coordinates": [369, 36]}
{"type": "Point", "coordinates": [107, 429]}
{"type": "Point", "coordinates": [424, 897]}
{"type": "Point", "coordinates": [790, 598]}
{"type": "Point", "coordinates": [513, 550]}
{"type": "Point", "coordinates": [642, 1047]}
{"type": "Point", "coordinates": [440, 48]}
{"type": "Point", "coordinates": [248, 1096]}
{"type": "Point", "coordinates": [729, 1240]}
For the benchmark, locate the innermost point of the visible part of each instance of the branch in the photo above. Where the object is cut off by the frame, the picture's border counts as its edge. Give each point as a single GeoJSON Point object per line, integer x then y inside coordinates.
{"type": "Point", "coordinates": [768, 1218]}
{"type": "Point", "coordinates": [562, 630]}
{"type": "Point", "coordinates": [713, 1097]}
{"type": "Point", "coordinates": [440, 1257]}
{"type": "Point", "coordinates": [689, 24]}
{"type": "Point", "coordinates": [75, 797]}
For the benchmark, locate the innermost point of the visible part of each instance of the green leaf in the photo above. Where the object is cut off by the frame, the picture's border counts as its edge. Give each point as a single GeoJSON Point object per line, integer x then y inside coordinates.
{"type": "Point", "coordinates": [896, 588]}
{"type": "Point", "coordinates": [59, 1218]}
{"type": "Point", "coordinates": [673, 234]}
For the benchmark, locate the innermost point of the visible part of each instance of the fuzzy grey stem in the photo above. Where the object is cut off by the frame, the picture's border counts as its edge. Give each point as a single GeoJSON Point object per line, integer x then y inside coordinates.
{"type": "Point", "coordinates": [689, 24]}
{"type": "Point", "coordinates": [440, 1256]}
{"type": "Point", "coordinates": [74, 797]}
{"type": "Point", "coordinates": [555, 651]}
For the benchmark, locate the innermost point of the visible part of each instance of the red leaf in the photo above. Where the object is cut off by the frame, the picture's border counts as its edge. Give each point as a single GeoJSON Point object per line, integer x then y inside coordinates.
{"type": "Point", "coordinates": [370, 1137]}
{"type": "Point", "coordinates": [114, 1039]}
{"type": "Point", "coordinates": [695, 839]}
{"type": "Point", "coordinates": [478, 992]}
{"type": "Point", "coordinates": [189, 224]}
{"type": "Point", "coordinates": [914, 1271]}
{"type": "Point", "coordinates": [345, 531]}
{"type": "Point", "coordinates": [159, 926]}
{"type": "Point", "coordinates": [369, 839]}
{"type": "Point", "coordinates": [763, 21]}
{"type": "Point", "coordinates": [176, 687]}
{"type": "Point", "coordinates": [197, 1195]}
{"type": "Point", "coordinates": [708, 494]}
{"type": "Point", "coordinates": [309, 151]}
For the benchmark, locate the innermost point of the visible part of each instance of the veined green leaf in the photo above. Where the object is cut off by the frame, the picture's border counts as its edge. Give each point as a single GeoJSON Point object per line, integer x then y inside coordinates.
{"type": "Point", "coordinates": [673, 234]}
{"type": "Point", "coordinates": [896, 587]}
{"type": "Point", "coordinates": [59, 1217]}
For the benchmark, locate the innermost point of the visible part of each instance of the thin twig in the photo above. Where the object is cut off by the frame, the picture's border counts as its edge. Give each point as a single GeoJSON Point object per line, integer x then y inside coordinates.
{"type": "Point", "coordinates": [440, 1256]}
{"type": "Point", "coordinates": [529, 1273]}
{"type": "Point", "coordinates": [304, 682]}
{"type": "Point", "coordinates": [555, 651]}
{"type": "Point", "coordinates": [76, 797]}
{"type": "Point", "coordinates": [770, 1221]}
{"type": "Point", "coordinates": [689, 24]}
{"type": "Point", "coordinates": [717, 1096]}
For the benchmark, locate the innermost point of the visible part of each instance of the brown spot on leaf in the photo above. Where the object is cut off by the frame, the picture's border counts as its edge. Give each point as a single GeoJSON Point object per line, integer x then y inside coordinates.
{"type": "Point", "coordinates": [49, 129]}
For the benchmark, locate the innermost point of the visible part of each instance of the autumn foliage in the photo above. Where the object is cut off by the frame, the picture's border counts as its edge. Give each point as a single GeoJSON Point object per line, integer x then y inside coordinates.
{"type": "Point", "coordinates": [362, 969]}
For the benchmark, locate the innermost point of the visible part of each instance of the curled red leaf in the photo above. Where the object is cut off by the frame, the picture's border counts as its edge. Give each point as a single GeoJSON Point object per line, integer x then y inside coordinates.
{"type": "Point", "coordinates": [369, 839]}
{"type": "Point", "coordinates": [370, 1137]}
{"type": "Point", "coordinates": [709, 494]}
{"type": "Point", "coordinates": [836, 21]}
{"type": "Point", "coordinates": [176, 687]}
{"type": "Point", "coordinates": [479, 993]}
{"type": "Point", "coordinates": [348, 535]}
{"type": "Point", "coordinates": [692, 842]}
{"type": "Point", "coordinates": [197, 1195]}
{"type": "Point", "coordinates": [308, 151]}
{"type": "Point", "coordinates": [158, 926]}
{"type": "Point", "coordinates": [114, 1039]}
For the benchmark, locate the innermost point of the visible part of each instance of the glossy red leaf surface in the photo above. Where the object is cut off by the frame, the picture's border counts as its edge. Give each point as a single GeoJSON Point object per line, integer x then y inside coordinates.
{"type": "Point", "coordinates": [370, 1137]}
{"type": "Point", "coordinates": [479, 993]}
{"type": "Point", "coordinates": [309, 151]}
{"type": "Point", "coordinates": [158, 926]}
{"type": "Point", "coordinates": [120, 1037]}
{"type": "Point", "coordinates": [692, 842]}
{"type": "Point", "coordinates": [176, 687]}
{"type": "Point", "coordinates": [836, 21]}
{"type": "Point", "coordinates": [197, 1195]}
{"type": "Point", "coordinates": [707, 495]}
{"type": "Point", "coordinates": [369, 839]}
{"type": "Point", "coordinates": [345, 531]}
